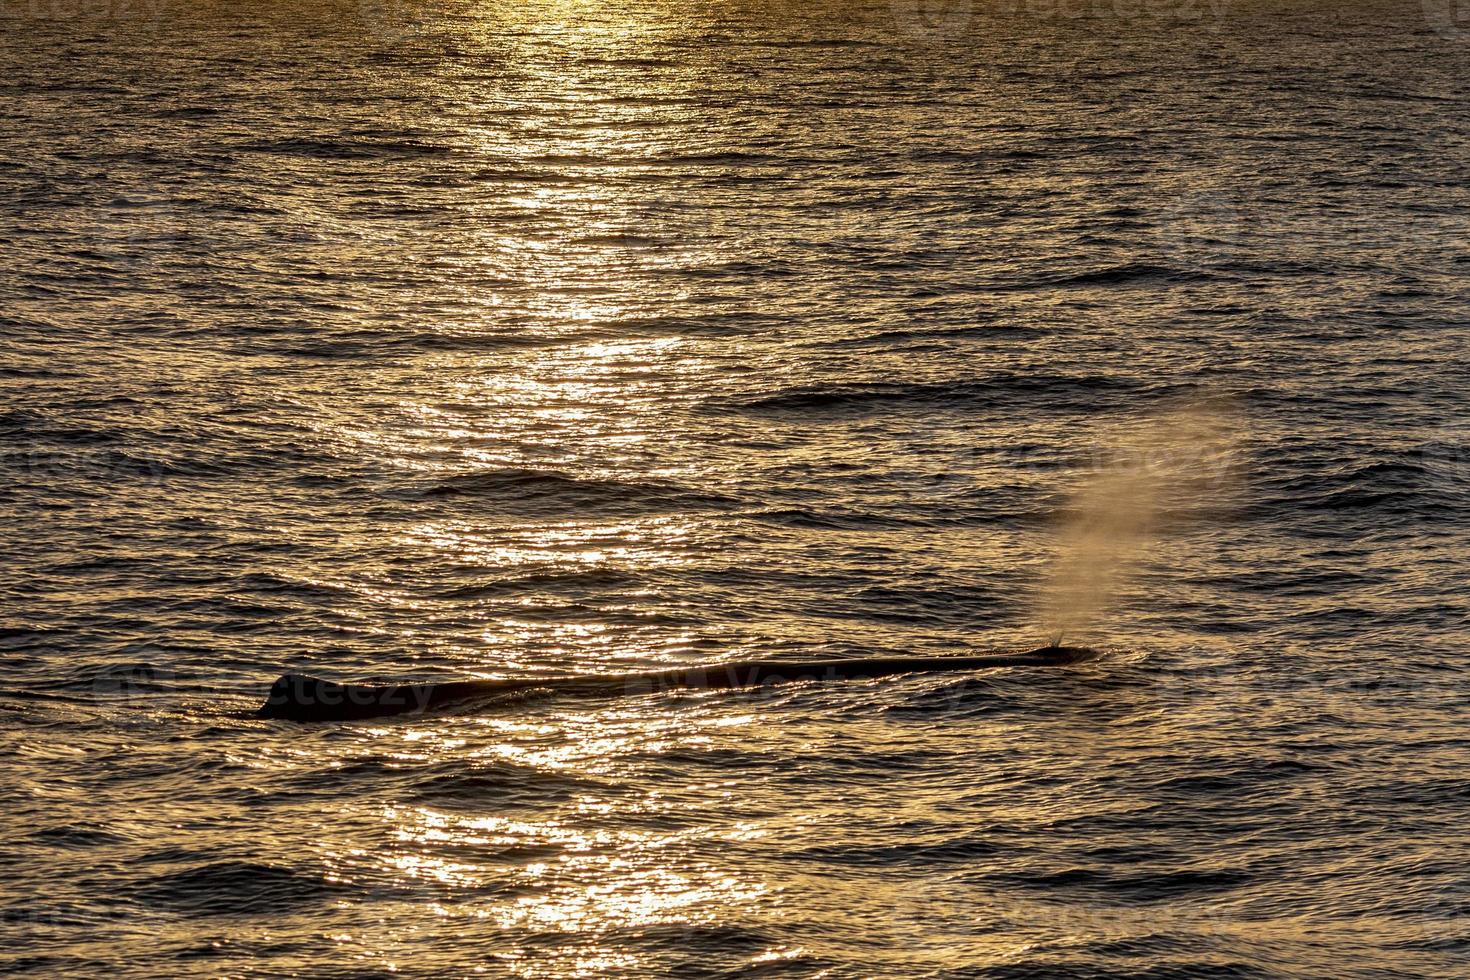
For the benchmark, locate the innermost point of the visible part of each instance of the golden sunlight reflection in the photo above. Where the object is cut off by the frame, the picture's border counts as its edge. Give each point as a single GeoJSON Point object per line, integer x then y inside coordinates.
{"type": "Point", "coordinates": [599, 129]}
{"type": "Point", "coordinates": [570, 869]}
{"type": "Point", "coordinates": [580, 879]}
{"type": "Point", "coordinates": [595, 406]}
{"type": "Point", "coordinates": [649, 542]}
{"type": "Point", "coordinates": [537, 557]}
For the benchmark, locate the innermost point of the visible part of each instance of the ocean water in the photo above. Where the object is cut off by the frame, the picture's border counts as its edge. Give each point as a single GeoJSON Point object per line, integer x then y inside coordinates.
{"type": "Point", "coordinates": [394, 341]}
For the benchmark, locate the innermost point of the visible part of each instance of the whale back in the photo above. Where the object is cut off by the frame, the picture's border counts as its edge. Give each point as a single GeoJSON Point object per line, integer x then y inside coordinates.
{"type": "Point", "coordinates": [301, 697]}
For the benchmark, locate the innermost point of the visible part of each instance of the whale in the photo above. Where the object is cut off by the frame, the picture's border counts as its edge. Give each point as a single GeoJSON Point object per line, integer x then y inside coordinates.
{"type": "Point", "coordinates": [303, 698]}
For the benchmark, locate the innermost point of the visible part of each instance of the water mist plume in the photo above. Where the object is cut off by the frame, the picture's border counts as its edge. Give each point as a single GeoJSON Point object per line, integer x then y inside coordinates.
{"type": "Point", "coordinates": [1164, 472]}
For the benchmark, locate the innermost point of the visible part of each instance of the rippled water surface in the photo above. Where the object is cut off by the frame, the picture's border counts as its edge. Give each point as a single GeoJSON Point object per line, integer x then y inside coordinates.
{"type": "Point", "coordinates": [480, 340]}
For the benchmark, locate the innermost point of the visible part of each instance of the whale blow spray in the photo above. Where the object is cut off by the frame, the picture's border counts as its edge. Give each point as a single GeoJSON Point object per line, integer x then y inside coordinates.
{"type": "Point", "coordinates": [1167, 471]}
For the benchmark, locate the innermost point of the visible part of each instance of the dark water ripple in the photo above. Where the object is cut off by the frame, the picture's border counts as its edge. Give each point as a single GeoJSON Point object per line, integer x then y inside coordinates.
{"type": "Point", "coordinates": [395, 340]}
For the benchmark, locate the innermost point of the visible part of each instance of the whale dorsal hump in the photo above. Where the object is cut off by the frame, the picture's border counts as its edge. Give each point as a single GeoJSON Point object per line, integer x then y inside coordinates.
{"type": "Point", "coordinates": [298, 696]}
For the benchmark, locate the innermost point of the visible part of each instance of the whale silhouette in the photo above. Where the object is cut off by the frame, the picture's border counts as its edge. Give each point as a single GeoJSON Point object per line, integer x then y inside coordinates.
{"type": "Point", "coordinates": [299, 697]}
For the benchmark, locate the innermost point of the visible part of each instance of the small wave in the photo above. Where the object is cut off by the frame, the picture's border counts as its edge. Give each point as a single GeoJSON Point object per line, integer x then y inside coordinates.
{"type": "Point", "coordinates": [596, 580]}
{"type": "Point", "coordinates": [523, 486]}
{"type": "Point", "coordinates": [823, 42]}
{"type": "Point", "coordinates": [682, 758]}
{"type": "Point", "coordinates": [968, 697]}
{"type": "Point", "coordinates": [1138, 887]}
{"type": "Point", "coordinates": [37, 426]}
{"type": "Point", "coordinates": [1213, 968]}
{"type": "Point", "coordinates": [624, 239]}
{"type": "Point", "coordinates": [349, 149]}
{"type": "Point", "coordinates": [76, 835]}
{"type": "Point", "coordinates": [272, 583]}
{"type": "Point", "coordinates": [988, 331]}
{"type": "Point", "coordinates": [627, 62]}
{"type": "Point", "coordinates": [957, 850]}
{"type": "Point", "coordinates": [1415, 791]}
{"type": "Point", "coordinates": [729, 158]}
{"type": "Point", "coordinates": [1396, 486]}
{"type": "Point", "coordinates": [1050, 391]}
{"type": "Point", "coordinates": [708, 939]}
{"type": "Point", "coordinates": [1111, 276]}
{"type": "Point", "coordinates": [235, 888]}
{"type": "Point", "coordinates": [796, 517]}
{"type": "Point", "coordinates": [503, 784]}
{"type": "Point", "coordinates": [375, 345]}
